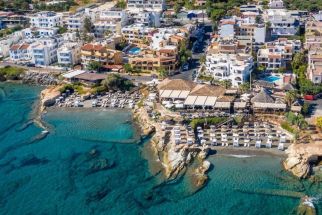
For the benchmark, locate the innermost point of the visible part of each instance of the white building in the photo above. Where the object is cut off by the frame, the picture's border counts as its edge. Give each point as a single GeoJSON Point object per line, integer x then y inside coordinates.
{"type": "Point", "coordinates": [234, 67]}
{"type": "Point", "coordinates": [102, 28]}
{"type": "Point", "coordinates": [46, 19]}
{"type": "Point", "coordinates": [161, 38]}
{"type": "Point", "coordinates": [20, 52]}
{"type": "Point", "coordinates": [75, 22]}
{"type": "Point", "coordinates": [110, 21]}
{"type": "Point", "coordinates": [136, 33]}
{"type": "Point", "coordinates": [69, 54]}
{"type": "Point", "coordinates": [116, 15]}
{"type": "Point", "coordinates": [148, 18]}
{"type": "Point", "coordinates": [148, 5]}
{"type": "Point", "coordinates": [44, 50]}
{"type": "Point", "coordinates": [43, 32]}
{"type": "Point", "coordinates": [282, 22]}
{"type": "Point", "coordinates": [276, 4]}
{"type": "Point", "coordinates": [278, 53]}
{"type": "Point", "coordinates": [314, 70]}
{"type": "Point", "coordinates": [8, 41]}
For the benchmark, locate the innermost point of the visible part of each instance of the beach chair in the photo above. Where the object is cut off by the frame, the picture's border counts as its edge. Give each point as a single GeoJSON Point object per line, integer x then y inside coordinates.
{"type": "Point", "coordinates": [235, 142]}
{"type": "Point", "coordinates": [281, 146]}
{"type": "Point", "coordinates": [246, 142]}
{"type": "Point", "coordinates": [269, 143]}
{"type": "Point", "coordinates": [258, 143]}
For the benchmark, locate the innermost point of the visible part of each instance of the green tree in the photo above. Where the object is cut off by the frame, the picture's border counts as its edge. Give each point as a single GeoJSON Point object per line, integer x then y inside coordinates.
{"type": "Point", "coordinates": [128, 68]}
{"type": "Point", "coordinates": [162, 72]}
{"type": "Point", "coordinates": [290, 97]}
{"type": "Point", "coordinates": [305, 108]}
{"type": "Point", "coordinates": [298, 60]}
{"type": "Point", "coordinates": [62, 29]}
{"type": "Point", "coordinates": [226, 83]}
{"type": "Point", "coordinates": [88, 26]}
{"type": "Point", "coordinates": [184, 54]}
{"type": "Point", "coordinates": [177, 7]}
{"type": "Point", "coordinates": [202, 59]}
{"type": "Point", "coordinates": [244, 87]}
{"type": "Point", "coordinates": [94, 66]}
{"type": "Point", "coordinates": [116, 82]}
{"type": "Point", "coordinates": [121, 4]}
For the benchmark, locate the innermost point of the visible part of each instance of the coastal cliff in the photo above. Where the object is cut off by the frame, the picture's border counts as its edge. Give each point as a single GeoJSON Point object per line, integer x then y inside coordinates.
{"type": "Point", "coordinates": [48, 96]}
{"type": "Point", "coordinates": [299, 158]}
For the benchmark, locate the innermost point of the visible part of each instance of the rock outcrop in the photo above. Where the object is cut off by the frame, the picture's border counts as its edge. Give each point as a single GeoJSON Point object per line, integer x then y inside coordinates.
{"type": "Point", "coordinates": [306, 207]}
{"type": "Point", "coordinates": [48, 96]}
{"type": "Point", "coordinates": [45, 79]}
{"type": "Point", "coordinates": [299, 157]}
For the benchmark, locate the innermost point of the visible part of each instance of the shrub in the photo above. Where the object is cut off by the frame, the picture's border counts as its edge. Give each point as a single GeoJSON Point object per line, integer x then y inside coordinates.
{"type": "Point", "coordinates": [288, 127]}
{"type": "Point", "coordinates": [210, 121]}
{"type": "Point", "coordinates": [319, 122]}
{"type": "Point", "coordinates": [11, 73]}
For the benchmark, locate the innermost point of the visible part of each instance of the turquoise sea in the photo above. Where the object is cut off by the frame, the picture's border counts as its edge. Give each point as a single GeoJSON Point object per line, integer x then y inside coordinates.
{"type": "Point", "coordinates": [92, 162]}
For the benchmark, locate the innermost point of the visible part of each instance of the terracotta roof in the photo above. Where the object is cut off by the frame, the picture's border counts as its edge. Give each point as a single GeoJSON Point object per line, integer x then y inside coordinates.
{"type": "Point", "coordinates": [19, 46]}
{"type": "Point", "coordinates": [93, 47]}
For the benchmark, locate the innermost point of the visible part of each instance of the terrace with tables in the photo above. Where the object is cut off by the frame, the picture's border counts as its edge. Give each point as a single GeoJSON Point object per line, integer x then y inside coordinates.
{"type": "Point", "coordinates": [250, 134]}
{"type": "Point", "coordinates": [104, 100]}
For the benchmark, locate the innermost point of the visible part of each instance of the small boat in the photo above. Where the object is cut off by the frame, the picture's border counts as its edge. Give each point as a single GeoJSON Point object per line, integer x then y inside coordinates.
{"type": "Point", "coordinates": [44, 132]}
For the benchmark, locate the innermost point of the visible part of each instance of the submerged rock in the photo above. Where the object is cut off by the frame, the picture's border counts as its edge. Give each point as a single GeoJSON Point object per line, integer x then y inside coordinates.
{"type": "Point", "coordinates": [97, 195]}
{"type": "Point", "coordinates": [306, 207]}
{"type": "Point", "coordinates": [32, 160]}
{"type": "Point", "coordinates": [99, 165]}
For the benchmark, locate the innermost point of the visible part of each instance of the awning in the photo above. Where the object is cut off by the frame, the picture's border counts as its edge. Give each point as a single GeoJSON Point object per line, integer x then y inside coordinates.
{"type": "Point", "coordinates": [200, 101]}
{"type": "Point", "coordinates": [190, 100]}
{"type": "Point", "coordinates": [211, 100]}
{"type": "Point", "coordinates": [166, 93]}
{"type": "Point", "coordinates": [175, 94]}
{"type": "Point", "coordinates": [223, 105]}
{"type": "Point", "coordinates": [269, 105]}
{"type": "Point", "coordinates": [184, 94]}
{"type": "Point", "coordinates": [239, 105]}
{"type": "Point", "coordinates": [296, 108]}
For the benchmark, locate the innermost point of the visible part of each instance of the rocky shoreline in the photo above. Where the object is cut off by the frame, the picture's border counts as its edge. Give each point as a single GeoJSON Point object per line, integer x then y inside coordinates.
{"type": "Point", "coordinates": [300, 158]}
{"type": "Point", "coordinates": [39, 78]}
{"type": "Point", "coordinates": [174, 161]}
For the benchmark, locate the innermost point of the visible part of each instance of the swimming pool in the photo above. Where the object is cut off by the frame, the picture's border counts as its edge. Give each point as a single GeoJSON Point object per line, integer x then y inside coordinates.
{"type": "Point", "coordinates": [271, 78]}
{"type": "Point", "coordinates": [134, 50]}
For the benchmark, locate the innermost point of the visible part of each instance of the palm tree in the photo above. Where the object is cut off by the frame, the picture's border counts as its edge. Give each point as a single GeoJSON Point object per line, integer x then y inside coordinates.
{"type": "Point", "coordinates": [162, 72]}
{"type": "Point", "coordinates": [290, 97]}
{"type": "Point", "coordinates": [226, 83]}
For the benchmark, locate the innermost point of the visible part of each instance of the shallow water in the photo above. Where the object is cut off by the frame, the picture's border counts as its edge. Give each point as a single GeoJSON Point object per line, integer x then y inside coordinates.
{"type": "Point", "coordinates": [91, 163]}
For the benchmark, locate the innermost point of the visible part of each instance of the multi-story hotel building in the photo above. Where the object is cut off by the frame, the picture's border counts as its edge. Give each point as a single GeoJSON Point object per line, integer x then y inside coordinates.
{"type": "Point", "coordinates": [234, 67]}
{"type": "Point", "coordinates": [46, 19]}
{"type": "Point", "coordinates": [278, 53]}
{"type": "Point", "coordinates": [100, 53]}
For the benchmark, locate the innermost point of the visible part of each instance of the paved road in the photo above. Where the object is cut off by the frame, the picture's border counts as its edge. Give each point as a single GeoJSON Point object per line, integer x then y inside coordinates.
{"type": "Point", "coordinates": [316, 107]}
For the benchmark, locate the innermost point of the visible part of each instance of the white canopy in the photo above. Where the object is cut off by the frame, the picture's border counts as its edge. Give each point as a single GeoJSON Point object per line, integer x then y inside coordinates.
{"type": "Point", "coordinates": [222, 105]}
{"type": "Point", "coordinates": [211, 100]}
{"type": "Point", "coordinates": [190, 100]}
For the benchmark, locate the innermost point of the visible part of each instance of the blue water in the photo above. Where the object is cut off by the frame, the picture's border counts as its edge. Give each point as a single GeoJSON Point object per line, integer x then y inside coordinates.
{"type": "Point", "coordinates": [134, 50]}
{"type": "Point", "coordinates": [92, 162]}
{"type": "Point", "coordinates": [271, 78]}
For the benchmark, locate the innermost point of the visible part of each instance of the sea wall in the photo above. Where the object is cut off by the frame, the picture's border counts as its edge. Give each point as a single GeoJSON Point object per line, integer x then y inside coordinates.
{"type": "Point", "coordinates": [299, 158]}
